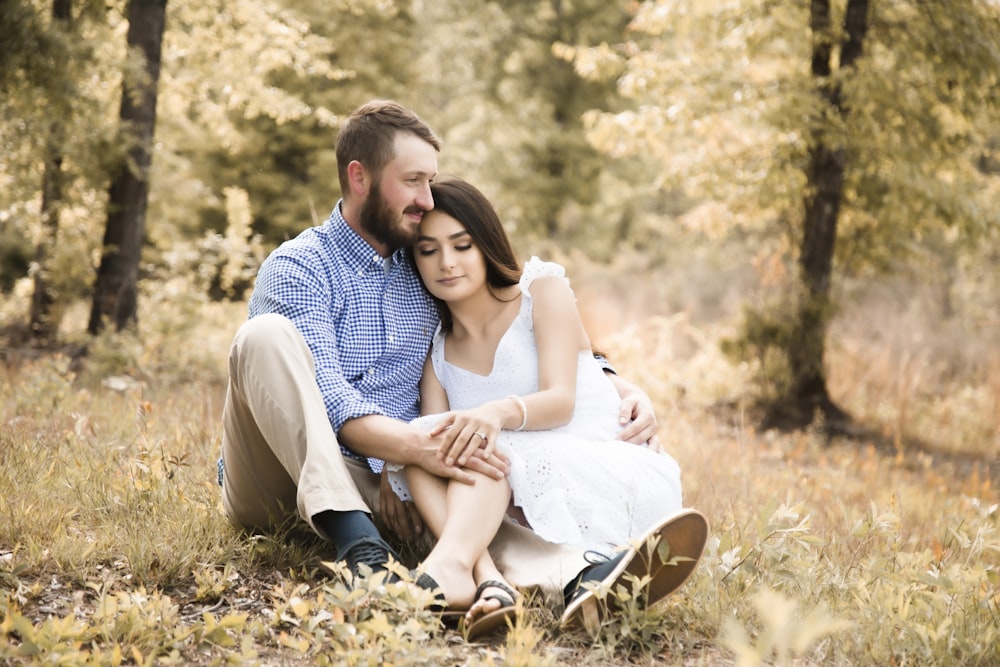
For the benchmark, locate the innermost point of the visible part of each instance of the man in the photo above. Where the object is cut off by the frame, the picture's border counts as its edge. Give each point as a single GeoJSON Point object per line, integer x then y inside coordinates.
{"type": "Point", "coordinates": [324, 374]}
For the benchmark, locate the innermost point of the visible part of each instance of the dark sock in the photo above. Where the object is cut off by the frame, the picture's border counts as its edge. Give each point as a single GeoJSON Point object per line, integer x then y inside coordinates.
{"type": "Point", "coordinates": [342, 528]}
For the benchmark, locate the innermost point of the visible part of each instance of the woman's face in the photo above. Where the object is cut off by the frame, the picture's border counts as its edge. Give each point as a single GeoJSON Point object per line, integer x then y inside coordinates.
{"type": "Point", "coordinates": [449, 262]}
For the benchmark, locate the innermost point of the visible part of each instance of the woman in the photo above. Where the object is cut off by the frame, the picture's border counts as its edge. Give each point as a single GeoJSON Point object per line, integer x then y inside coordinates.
{"type": "Point", "coordinates": [511, 368]}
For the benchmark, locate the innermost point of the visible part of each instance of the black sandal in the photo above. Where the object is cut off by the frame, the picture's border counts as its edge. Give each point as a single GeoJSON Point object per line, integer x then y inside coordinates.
{"type": "Point", "coordinates": [428, 583]}
{"type": "Point", "coordinates": [498, 618]}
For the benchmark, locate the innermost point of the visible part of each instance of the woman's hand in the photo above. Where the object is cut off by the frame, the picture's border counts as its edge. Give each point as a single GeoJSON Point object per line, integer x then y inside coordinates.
{"type": "Point", "coordinates": [467, 434]}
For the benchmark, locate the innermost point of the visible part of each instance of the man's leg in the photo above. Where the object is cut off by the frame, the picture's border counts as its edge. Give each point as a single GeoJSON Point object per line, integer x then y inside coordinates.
{"type": "Point", "coordinates": [529, 562]}
{"type": "Point", "coordinates": [278, 447]}
{"type": "Point", "coordinates": [589, 597]}
{"type": "Point", "coordinates": [369, 485]}
{"type": "Point", "coordinates": [560, 572]}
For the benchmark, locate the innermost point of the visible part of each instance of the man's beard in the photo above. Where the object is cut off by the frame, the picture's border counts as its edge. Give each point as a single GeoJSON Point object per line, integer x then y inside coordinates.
{"type": "Point", "coordinates": [379, 220]}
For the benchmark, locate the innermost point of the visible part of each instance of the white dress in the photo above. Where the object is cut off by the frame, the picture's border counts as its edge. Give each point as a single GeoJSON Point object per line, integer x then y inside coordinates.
{"type": "Point", "coordinates": [576, 484]}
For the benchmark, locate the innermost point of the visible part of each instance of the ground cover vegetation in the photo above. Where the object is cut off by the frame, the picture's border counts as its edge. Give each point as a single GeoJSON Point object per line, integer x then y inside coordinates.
{"type": "Point", "coordinates": [114, 550]}
{"type": "Point", "coordinates": [780, 218]}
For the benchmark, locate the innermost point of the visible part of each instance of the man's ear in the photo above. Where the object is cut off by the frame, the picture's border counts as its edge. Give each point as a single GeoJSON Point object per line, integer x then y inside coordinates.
{"type": "Point", "coordinates": [358, 178]}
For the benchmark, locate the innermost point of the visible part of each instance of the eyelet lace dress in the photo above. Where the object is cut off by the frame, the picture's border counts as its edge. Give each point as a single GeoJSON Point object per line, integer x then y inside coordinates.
{"type": "Point", "coordinates": [575, 484]}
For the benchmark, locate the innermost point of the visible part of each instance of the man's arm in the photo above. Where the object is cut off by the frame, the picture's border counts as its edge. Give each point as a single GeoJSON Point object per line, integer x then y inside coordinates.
{"type": "Point", "coordinates": [290, 284]}
{"type": "Point", "coordinates": [391, 440]}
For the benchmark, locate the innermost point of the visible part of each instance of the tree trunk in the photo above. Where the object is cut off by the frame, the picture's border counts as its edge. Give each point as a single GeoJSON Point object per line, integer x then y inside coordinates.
{"type": "Point", "coordinates": [41, 324]}
{"type": "Point", "coordinates": [808, 394]}
{"type": "Point", "coordinates": [116, 288]}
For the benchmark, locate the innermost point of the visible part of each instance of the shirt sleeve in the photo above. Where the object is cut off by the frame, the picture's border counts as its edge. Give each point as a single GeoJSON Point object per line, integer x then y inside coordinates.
{"type": "Point", "coordinates": [605, 365]}
{"type": "Point", "coordinates": [288, 286]}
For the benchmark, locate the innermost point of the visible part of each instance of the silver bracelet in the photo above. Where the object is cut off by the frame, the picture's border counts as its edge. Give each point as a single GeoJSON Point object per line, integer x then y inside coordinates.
{"type": "Point", "coordinates": [524, 411]}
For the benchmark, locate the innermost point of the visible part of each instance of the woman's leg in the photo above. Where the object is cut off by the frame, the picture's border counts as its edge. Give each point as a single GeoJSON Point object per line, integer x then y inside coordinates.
{"type": "Point", "coordinates": [486, 570]}
{"type": "Point", "coordinates": [464, 518]}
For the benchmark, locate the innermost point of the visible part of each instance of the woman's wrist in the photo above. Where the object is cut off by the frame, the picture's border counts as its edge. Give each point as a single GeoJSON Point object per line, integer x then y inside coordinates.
{"type": "Point", "coordinates": [522, 410]}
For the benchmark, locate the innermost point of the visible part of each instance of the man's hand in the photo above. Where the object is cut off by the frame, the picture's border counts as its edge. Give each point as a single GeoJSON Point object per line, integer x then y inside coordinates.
{"type": "Point", "coordinates": [490, 463]}
{"type": "Point", "coordinates": [654, 444]}
{"type": "Point", "coordinates": [401, 516]}
{"type": "Point", "coordinates": [395, 441]}
{"type": "Point", "coordinates": [636, 415]}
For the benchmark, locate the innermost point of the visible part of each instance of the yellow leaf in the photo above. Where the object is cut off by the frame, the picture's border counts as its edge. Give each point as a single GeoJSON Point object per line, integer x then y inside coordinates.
{"type": "Point", "coordinates": [300, 645]}
{"type": "Point", "coordinates": [219, 637]}
{"type": "Point", "coordinates": [299, 607]}
{"type": "Point", "coordinates": [234, 620]}
{"type": "Point", "coordinates": [379, 625]}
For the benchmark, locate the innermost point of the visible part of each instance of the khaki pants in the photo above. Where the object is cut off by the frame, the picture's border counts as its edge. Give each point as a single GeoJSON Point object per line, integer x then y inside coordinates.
{"type": "Point", "coordinates": [280, 451]}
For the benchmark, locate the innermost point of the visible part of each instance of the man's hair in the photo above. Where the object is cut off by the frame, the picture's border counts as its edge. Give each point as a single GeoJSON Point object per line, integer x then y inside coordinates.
{"type": "Point", "coordinates": [465, 203]}
{"type": "Point", "coordinates": [369, 133]}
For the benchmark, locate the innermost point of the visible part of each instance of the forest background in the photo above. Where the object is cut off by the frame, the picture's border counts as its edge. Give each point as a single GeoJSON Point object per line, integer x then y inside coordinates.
{"type": "Point", "coordinates": [780, 218]}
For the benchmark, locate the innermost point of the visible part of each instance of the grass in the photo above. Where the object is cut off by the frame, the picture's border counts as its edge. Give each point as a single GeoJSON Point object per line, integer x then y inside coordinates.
{"type": "Point", "coordinates": [114, 550]}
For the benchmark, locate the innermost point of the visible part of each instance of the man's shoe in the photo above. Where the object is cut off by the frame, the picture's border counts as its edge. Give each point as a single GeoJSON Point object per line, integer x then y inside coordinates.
{"type": "Point", "coordinates": [371, 552]}
{"type": "Point", "coordinates": [583, 608]}
{"type": "Point", "coordinates": [684, 535]}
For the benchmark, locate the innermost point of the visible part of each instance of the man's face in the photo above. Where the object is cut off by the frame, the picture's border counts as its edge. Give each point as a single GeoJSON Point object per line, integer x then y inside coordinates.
{"type": "Point", "coordinates": [400, 195]}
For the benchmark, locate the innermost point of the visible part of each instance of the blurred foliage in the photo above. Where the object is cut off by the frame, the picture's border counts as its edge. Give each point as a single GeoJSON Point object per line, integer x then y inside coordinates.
{"type": "Point", "coordinates": [510, 110]}
{"type": "Point", "coordinates": [67, 74]}
{"type": "Point", "coordinates": [632, 133]}
{"type": "Point", "coordinates": [731, 126]}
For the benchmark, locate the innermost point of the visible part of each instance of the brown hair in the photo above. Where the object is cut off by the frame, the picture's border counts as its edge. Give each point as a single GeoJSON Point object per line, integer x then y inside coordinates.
{"type": "Point", "coordinates": [368, 135]}
{"type": "Point", "coordinates": [470, 207]}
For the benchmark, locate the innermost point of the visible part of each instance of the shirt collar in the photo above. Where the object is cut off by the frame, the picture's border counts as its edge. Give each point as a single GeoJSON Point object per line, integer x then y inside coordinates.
{"type": "Point", "coordinates": [357, 251]}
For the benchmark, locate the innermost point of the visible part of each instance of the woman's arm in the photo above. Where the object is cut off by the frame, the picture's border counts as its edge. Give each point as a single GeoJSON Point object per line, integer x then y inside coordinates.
{"type": "Point", "coordinates": [559, 339]}
{"type": "Point", "coordinates": [433, 398]}
{"type": "Point", "coordinates": [560, 336]}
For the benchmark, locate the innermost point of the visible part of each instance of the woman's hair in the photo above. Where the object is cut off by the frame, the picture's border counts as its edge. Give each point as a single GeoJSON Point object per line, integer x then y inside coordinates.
{"type": "Point", "coordinates": [369, 136]}
{"type": "Point", "coordinates": [470, 207]}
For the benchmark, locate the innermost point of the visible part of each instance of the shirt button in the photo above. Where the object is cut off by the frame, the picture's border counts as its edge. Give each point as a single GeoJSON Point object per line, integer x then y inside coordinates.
{"type": "Point", "coordinates": [392, 339]}
{"type": "Point", "coordinates": [361, 272]}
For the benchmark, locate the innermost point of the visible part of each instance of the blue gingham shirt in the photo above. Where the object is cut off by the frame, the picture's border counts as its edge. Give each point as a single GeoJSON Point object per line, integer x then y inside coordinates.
{"type": "Point", "coordinates": [367, 320]}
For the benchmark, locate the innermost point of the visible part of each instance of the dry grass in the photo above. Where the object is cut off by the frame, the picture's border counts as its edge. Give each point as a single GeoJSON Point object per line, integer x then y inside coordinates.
{"type": "Point", "coordinates": [113, 549]}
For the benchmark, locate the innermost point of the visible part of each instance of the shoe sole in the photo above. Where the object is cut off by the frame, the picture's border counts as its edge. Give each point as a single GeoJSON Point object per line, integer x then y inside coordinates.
{"type": "Point", "coordinates": [686, 534]}
{"type": "Point", "coordinates": [489, 624]}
